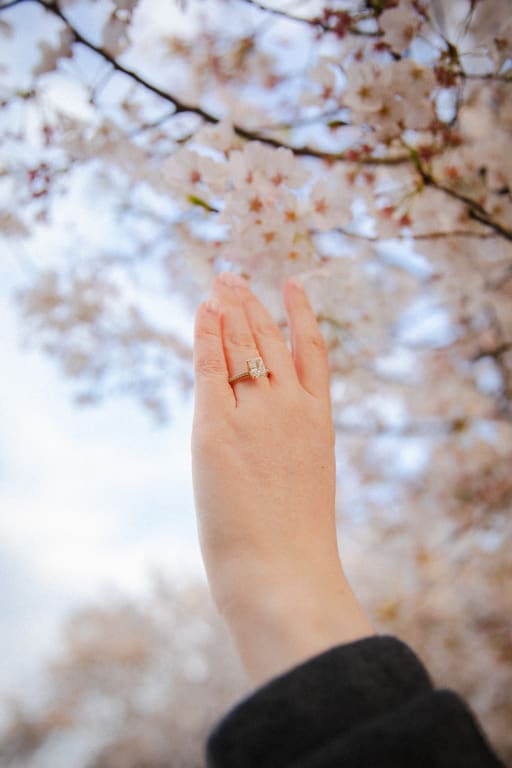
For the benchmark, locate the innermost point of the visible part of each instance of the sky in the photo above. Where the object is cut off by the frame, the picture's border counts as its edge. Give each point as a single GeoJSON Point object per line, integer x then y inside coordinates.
{"type": "Point", "coordinates": [91, 501]}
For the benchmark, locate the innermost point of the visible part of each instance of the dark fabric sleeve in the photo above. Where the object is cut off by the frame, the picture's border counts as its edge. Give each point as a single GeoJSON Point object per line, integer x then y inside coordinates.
{"type": "Point", "coordinates": [366, 704]}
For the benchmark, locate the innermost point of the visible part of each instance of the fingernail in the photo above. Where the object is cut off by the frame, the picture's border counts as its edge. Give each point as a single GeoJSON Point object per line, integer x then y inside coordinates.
{"type": "Point", "coordinates": [232, 280]}
{"type": "Point", "coordinates": [212, 305]}
{"type": "Point", "coordinates": [296, 281]}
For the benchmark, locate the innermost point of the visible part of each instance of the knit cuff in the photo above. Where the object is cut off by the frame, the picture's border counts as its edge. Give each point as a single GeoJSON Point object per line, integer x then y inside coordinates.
{"type": "Point", "coordinates": [295, 713]}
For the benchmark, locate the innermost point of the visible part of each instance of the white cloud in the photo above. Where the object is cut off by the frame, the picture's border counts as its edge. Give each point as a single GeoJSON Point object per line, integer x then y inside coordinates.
{"type": "Point", "coordinates": [89, 500]}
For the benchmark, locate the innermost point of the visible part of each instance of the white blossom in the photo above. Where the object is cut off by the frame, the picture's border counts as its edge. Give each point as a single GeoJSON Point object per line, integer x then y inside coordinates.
{"type": "Point", "coordinates": [328, 206]}
{"type": "Point", "coordinates": [366, 87]}
{"type": "Point", "coordinates": [258, 165]}
{"type": "Point", "coordinates": [400, 25]}
{"type": "Point", "coordinates": [322, 77]}
{"type": "Point", "coordinates": [192, 175]}
{"type": "Point", "coordinates": [319, 206]}
{"type": "Point", "coordinates": [412, 80]}
{"type": "Point", "coordinates": [51, 54]}
{"type": "Point", "coordinates": [219, 136]}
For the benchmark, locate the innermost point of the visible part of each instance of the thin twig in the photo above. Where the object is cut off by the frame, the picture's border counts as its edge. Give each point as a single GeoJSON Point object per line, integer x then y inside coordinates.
{"type": "Point", "coordinates": [426, 428]}
{"type": "Point", "coordinates": [504, 78]}
{"type": "Point", "coordinates": [11, 4]}
{"type": "Point", "coordinates": [496, 352]}
{"type": "Point", "coordinates": [316, 22]}
{"type": "Point", "coordinates": [419, 236]}
{"type": "Point", "coordinates": [476, 211]}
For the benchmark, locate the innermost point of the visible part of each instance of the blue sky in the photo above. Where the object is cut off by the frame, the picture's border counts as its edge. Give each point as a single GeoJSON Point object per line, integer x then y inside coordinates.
{"type": "Point", "coordinates": [91, 500]}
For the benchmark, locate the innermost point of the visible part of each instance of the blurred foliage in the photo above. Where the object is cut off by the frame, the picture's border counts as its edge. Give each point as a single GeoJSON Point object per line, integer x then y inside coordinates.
{"type": "Point", "coordinates": [184, 141]}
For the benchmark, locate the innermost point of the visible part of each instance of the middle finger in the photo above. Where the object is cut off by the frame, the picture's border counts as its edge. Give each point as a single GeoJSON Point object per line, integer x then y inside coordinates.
{"type": "Point", "coordinates": [237, 337]}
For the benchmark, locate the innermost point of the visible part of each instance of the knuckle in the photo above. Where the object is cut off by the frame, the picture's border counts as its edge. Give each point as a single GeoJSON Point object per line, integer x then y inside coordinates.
{"type": "Point", "coordinates": [238, 338]}
{"type": "Point", "coordinates": [267, 329]}
{"type": "Point", "coordinates": [262, 323]}
{"type": "Point", "coordinates": [319, 344]}
{"type": "Point", "coordinates": [206, 332]}
{"type": "Point", "coordinates": [210, 366]}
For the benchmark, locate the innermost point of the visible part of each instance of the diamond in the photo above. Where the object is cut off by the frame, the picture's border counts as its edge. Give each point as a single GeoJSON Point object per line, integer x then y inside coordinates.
{"type": "Point", "coordinates": [256, 367]}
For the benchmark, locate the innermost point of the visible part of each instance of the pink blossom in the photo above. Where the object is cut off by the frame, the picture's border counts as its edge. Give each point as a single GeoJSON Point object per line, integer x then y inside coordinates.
{"type": "Point", "coordinates": [190, 174]}
{"type": "Point", "coordinates": [51, 54]}
{"type": "Point", "coordinates": [400, 25]}
{"type": "Point", "coordinates": [367, 85]}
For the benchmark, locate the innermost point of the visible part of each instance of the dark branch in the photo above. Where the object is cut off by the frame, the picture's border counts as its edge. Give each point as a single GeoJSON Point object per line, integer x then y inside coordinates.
{"type": "Point", "coordinates": [325, 118]}
{"type": "Point", "coordinates": [317, 23]}
{"type": "Point", "coordinates": [485, 218]}
{"type": "Point", "coordinates": [180, 106]}
{"type": "Point", "coordinates": [476, 211]}
{"type": "Point", "coordinates": [427, 427]}
{"type": "Point", "coordinates": [11, 4]}
{"type": "Point", "coordinates": [496, 352]}
{"type": "Point", "coordinates": [152, 124]}
{"type": "Point", "coordinates": [183, 107]}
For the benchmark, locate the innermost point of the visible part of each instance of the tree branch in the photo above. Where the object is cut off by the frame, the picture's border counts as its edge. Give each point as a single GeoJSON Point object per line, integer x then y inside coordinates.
{"type": "Point", "coordinates": [324, 118]}
{"type": "Point", "coordinates": [484, 218]}
{"type": "Point", "coordinates": [183, 107]}
{"type": "Point", "coordinates": [476, 211]}
{"type": "Point", "coordinates": [11, 4]}
{"type": "Point", "coordinates": [180, 106]}
{"type": "Point", "coordinates": [352, 29]}
{"type": "Point", "coordinates": [496, 352]}
{"type": "Point", "coordinates": [504, 78]}
{"type": "Point", "coordinates": [425, 428]}
{"type": "Point", "coordinates": [419, 236]}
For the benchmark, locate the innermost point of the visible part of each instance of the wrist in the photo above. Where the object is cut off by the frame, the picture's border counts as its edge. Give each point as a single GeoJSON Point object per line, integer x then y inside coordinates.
{"type": "Point", "coordinates": [281, 626]}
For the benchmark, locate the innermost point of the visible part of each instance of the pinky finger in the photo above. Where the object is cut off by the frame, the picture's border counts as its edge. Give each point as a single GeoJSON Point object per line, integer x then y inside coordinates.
{"type": "Point", "coordinates": [212, 389]}
{"type": "Point", "coordinates": [309, 349]}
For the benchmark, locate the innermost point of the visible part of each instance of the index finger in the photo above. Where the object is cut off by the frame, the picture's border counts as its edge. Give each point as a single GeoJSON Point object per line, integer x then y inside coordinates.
{"type": "Point", "coordinates": [212, 388]}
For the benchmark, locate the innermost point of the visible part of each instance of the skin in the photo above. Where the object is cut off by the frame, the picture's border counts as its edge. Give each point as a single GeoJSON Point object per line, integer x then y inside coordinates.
{"type": "Point", "coordinates": [263, 464]}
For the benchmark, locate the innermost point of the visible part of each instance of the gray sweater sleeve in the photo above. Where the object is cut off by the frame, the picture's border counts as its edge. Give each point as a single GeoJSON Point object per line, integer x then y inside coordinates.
{"type": "Point", "coordinates": [366, 704]}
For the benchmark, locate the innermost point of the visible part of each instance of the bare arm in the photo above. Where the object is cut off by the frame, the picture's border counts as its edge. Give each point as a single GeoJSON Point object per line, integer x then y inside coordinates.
{"type": "Point", "coordinates": [264, 482]}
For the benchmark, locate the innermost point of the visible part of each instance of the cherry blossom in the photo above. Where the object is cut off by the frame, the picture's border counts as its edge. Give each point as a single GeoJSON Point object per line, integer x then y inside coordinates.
{"type": "Point", "coordinates": [400, 24]}
{"type": "Point", "coordinates": [261, 167]}
{"type": "Point", "coordinates": [329, 209]}
{"type": "Point", "coordinates": [367, 87]}
{"type": "Point", "coordinates": [50, 55]}
{"type": "Point", "coordinates": [189, 174]}
{"type": "Point", "coordinates": [369, 152]}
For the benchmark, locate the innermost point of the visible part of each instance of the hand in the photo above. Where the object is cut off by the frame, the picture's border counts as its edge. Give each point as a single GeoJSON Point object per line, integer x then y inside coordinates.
{"type": "Point", "coordinates": [264, 478]}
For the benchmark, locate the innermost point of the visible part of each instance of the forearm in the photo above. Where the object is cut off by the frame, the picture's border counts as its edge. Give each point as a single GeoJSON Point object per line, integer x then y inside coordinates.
{"type": "Point", "coordinates": [264, 475]}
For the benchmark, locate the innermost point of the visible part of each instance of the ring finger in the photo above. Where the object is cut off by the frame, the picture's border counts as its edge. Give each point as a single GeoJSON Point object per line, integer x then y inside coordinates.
{"type": "Point", "coordinates": [237, 338]}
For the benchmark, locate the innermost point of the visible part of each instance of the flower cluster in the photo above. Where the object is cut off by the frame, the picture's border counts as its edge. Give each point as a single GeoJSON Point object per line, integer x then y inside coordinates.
{"type": "Point", "coordinates": [367, 148]}
{"type": "Point", "coordinates": [270, 203]}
